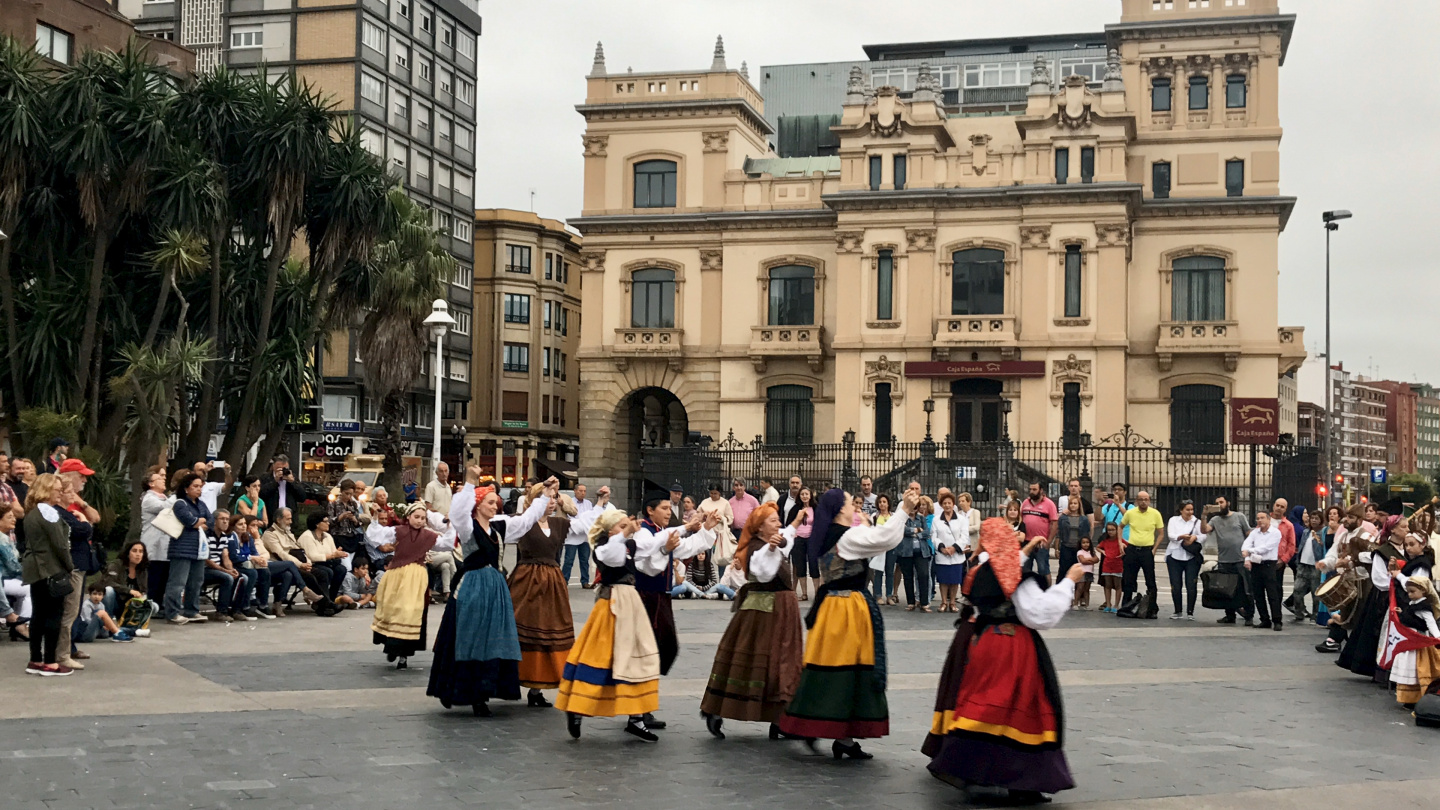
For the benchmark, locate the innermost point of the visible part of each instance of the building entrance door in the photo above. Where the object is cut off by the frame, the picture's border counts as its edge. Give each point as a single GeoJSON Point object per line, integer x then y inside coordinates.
{"type": "Point", "coordinates": [975, 410]}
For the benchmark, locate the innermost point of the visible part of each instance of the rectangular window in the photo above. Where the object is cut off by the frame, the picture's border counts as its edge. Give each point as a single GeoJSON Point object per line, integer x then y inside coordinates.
{"type": "Point", "coordinates": [1160, 95]}
{"type": "Point", "coordinates": [564, 321]}
{"type": "Point", "coordinates": [1234, 178]}
{"type": "Point", "coordinates": [792, 295]}
{"type": "Point", "coordinates": [977, 284]}
{"type": "Point", "coordinates": [467, 46]}
{"type": "Point", "coordinates": [899, 171]}
{"type": "Point", "coordinates": [425, 69]}
{"type": "Point", "coordinates": [517, 308]}
{"type": "Point", "coordinates": [517, 357]}
{"type": "Point", "coordinates": [373, 36]}
{"type": "Point", "coordinates": [1234, 91]}
{"type": "Point", "coordinates": [545, 363]}
{"type": "Point", "coordinates": [1062, 165]}
{"type": "Point", "coordinates": [1160, 179]}
{"type": "Point", "coordinates": [447, 35]}
{"type": "Point", "coordinates": [655, 183]}
{"type": "Point", "coordinates": [462, 229]}
{"type": "Point", "coordinates": [517, 259]}
{"type": "Point", "coordinates": [546, 309]}
{"type": "Point", "coordinates": [464, 276]}
{"type": "Point", "coordinates": [998, 74]}
{"type": "Point", "coordinates": [560, 367]}
{"type": "Point", "coordinates": [427, 22]}
{"type": "Point", "coordinates": [1198, 289]}
{"type": "Point", "coordinates": [545, 409]}
{"type": "Point", "coordinates": [876, 163]}
{"type": "Point", "coordinates": [249, 36]}
{"type": "Point", "coordinates": [549, 264]}
{"type": "Point", "coordinates": [447, 81]}
{"type": "Point", "coordinates": [372, 89]}
{"type": "Point", "coordinates": [885, 286]}
{"type": "Point", "coordinates": [1072, 281]}
{"type": "Point", "coordinates": [462, 322]}
{"type": "Point", "coordinates": [1070, 417]}
{"type": "Point", "coordinates": [457, 369]}
{"type": "Point", "coordinates": [467, 92]}
{"type": "Point", "coordinates": [403, 7]}
{"type": "Point", "coordinates": [443, 127]}
{"type": "Point", "coordinates": [338, 407]}
{"type": "Point", "coordinates": [884, 428]}
{"type": "Point", "coordinates": [789, 414]}
{"type": "Point", "coordinates": [1199, 93]}
{"type": "Point", "coordinates": [402, 104]}
{"type": "Point", "coordinates": [515, 406]}
{"type": "Point", "coordinates": [464, 138]}
{"type": "Point", "coordinates": [1087, 164]}
{"type": "Point", "coordinates": [402, 56]}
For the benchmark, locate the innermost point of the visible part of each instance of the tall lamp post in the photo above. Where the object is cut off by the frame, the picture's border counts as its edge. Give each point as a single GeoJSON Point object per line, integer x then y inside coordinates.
{"type": "Point", "coordinates": [1331, 220]}
{"type": "Point", "coordinates": [439, 321]}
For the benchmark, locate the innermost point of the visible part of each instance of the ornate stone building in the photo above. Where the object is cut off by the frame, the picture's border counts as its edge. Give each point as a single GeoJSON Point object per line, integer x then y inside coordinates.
{"type": "Point", "coordinates": [1101, 253]}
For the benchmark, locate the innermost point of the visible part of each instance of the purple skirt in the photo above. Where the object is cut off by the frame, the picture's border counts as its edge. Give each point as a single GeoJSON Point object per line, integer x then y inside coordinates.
{"type": "Point", "coordinates": [979, 762]}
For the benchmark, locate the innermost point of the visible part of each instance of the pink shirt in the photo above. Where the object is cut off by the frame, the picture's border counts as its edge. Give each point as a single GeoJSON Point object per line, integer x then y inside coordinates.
{"type": "Point", "coordinates": [742, 506]}
{"type": "Point", "coordinates": [1037, 518]}
{"type": "Point", "coordinates": [807, 525]}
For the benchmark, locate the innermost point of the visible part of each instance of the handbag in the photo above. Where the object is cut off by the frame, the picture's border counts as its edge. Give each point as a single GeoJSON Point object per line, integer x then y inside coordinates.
{"type": "Point", "coordinates": [59, 585]}
{"type": "Point", "coordinates": [1427, 711]}
{"type": "Point", "coordinates": [168, 523]}
{"type": "Point", "coordinates": [1219, 589]}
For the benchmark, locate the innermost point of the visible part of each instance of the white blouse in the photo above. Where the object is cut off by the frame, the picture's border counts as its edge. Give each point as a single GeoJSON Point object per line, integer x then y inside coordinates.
{"type": "Point", "coordinates": [765, 560]}
{"type": "Point", "coordinates": [864, 542]}
{"type": "Point", "coordinates": [651, 557]}
{"type": "Point", "coordinates": [1035, 607]}
{"type": "Point", "coordinates": [1176, 527]}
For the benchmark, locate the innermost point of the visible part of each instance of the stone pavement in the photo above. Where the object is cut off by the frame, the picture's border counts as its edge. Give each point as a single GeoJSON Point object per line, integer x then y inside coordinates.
{"type": "Point", "coordinates": [303, 712]}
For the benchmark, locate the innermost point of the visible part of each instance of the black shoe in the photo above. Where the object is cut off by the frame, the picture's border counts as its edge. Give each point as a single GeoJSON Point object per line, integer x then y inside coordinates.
{"type": "Point", "coordinates": [538, 701]}
{"type": "Point", "coordinates": [1327, 646]}
{"type": "Point", "coordinates": [482, 710]}
{"type": "Point", "coordinates": [1225, 620]}
{"type": "Point", "coordinates": [390, 658]}
{"type": "Point", "coordinates": [1249, 622]}
{"type": "Point", "coordinates": [1261, 626]}
{"type": "Point", "coordinates": [637, 728]}
{"type": "Point", "coordinates": [653, 724]}
{"type": "Point", "coordinates": [402, 664]}
{"type": "Point", "coordinates": [776, 733]}
{"type": "Point", "coordinates": [713, 724]}
{"type": "Point", "coordinates": [572, 724]}
{"type": "Point", "coordinates": [1022, 797]}
{"type": "Point", "coordinates": [1278, 627]}
{"type": "Point", "coordinates": [852, 750]}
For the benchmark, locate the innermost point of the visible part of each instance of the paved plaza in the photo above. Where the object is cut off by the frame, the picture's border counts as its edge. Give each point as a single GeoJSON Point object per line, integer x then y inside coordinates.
{"type": "Point", "coordinates": [303, 712]}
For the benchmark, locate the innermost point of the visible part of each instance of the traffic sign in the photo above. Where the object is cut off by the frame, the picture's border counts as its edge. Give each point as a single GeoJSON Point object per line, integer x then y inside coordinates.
{"type": "Point", "coordinates": [964, 472]}
{"type": "Point", "coordinates": [1377, 475]}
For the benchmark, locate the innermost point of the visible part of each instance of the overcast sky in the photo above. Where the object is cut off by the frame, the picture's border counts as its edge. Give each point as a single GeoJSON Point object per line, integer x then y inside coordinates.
{"type": "Point", "coordinates": [1358, 103]}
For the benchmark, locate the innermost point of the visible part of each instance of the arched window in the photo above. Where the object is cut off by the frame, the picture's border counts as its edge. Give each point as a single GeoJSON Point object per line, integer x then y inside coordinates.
{"type": "Point", "coordinates": [652, 299]}
{"type": "Point", "coordinates": [977, 282]}
{"type": "Point", "coordinates": [655, 184]}
{"type": "Point", "coordinates": [1197, 419]}
{"type": "Point", "coordinates": [789, 415]}
{"type": "Point", "coordinates": [792, 295]}
{"type": "Point", "coordinates": [1198, 289]}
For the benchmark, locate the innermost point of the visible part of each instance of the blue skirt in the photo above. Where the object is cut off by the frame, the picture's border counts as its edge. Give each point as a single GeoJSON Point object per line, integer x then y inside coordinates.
{"type": "Point", "coordinates": [949, 574]}
{"type": "Point", "coordinates": [477, 651]}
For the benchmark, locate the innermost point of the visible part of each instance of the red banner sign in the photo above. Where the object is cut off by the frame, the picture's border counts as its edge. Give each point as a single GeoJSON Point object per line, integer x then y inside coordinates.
{"type": "Point", "coordinates": [1254, 421]}
{"type": "Point", "coordinates": [977, 368]}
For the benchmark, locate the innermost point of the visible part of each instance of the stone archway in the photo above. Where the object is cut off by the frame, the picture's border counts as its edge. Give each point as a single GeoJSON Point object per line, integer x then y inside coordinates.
{"type": "Point", "coordinates": [647, 418]}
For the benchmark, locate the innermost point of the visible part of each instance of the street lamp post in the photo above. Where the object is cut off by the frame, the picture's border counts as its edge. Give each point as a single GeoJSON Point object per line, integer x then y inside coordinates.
{"type": "Point", "coordinates": [1331, 220]}
{"type": "Point", "coordinates": [439, 321]}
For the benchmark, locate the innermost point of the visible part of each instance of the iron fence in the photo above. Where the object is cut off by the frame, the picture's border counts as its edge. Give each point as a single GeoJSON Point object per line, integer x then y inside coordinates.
{"type": "Point", "coordinates": [1248, 476]}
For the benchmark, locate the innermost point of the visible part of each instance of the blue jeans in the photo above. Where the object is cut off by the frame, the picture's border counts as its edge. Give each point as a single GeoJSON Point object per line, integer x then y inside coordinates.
{"type": "Point", "coordinates": [187, 577]}
{"type": "Point", "coordinates": [1039, 562]}
{"type": "Point", "coordinates": [83, 632]}
{"type": "Point", "coordinates": [233, 594]}
{"type": "Point", "coordinates": [694, 590]}
{"type": "Point", "coordinates": [285, 575]}
{"type": "Point", "coordinates": [257, 585]}
{"type": "Point", "coordinates": [572, 553]}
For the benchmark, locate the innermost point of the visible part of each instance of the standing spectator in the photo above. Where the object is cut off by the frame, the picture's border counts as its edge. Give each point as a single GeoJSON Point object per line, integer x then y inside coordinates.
{"type": "Point", "coordinates": [188, 552]}
{"type": "Point", "coordinates": [1230, 530]}
{"type": "Point", "coordinates": [438, 493]}
{"type": "Point", "coordinates": [868, 497]}
{"type": "Point", "coordinates": [22, 475]}
{"type": "Point", "coordinates": [217, 481]}
{"type": "Point", "coordinates": [741, 505]}
{"type": "Point", "coordinates": [1261, 550]}
{"type": "Point", "coordinates": [1307, 577]}
{"type": "Point", "coordinates": [47, 559]}
{"type": "Point", "coordinates": [1183, 558]}
{"type": "Point", "coordinates": [965, 506]}
{"type": "Point", "coordinates": [1040, 518]}
{"type": "Point", "coordinates": [1288, 538]}
{"type": "Point", "coordinates": [59, 451]}
{"type": "Point", "coordinates": [724, 539]}
{"type": "Point", "coordinates": [581, 504]}
{"type": "Point", "coordinates": [677, 504]}
{"type": "Point", "coordinates": [10, 500]}
{"type": "Point", "coordinates": [321, 550]}
{"type": "Point", "coordinates": [157, 543]}
{"type": "Point", "coordinates": [802, 517]}
{"type": "Point", "coordinates": [1115, 508]}
{"type": "Point", "coordinates": [1112, 566]}
{"type": "Point", "coordinates": [250, 503]}
{"type": "Point", "coordinates": [914, 554]}
{"type": "Point", "coordinates": [883, 565]}
{"type": "Point", "coordinates": [789, 503]}
{"type": "Point", "coordinates": [950, 531]}
{"type": "Point", "coordinates": [14, 593]}
{"type": "Point", "coordinates": [347, 521]}
{"type": "Point", "coordinates": [577, 542]}
{"type": "Point", "coordinates": [279, 490]}
{"type": "Point", "coordinates": [687, 508]}
{"type": "Point", "coordinates": [768, 493]}
{"type": "Point", "coordinates": [1074, 525]}
{"type": "Point", "coordinates": [1146, 527]}
{"type": "Point", "coordinates": [81, 517]}
{"type": "Point", "coordinates": [1072, 493]}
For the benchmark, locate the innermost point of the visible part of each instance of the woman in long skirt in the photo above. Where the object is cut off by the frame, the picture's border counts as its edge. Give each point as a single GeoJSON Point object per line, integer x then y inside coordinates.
{"type": "Point", "coordinates": [402, 596]}
{"type": "Point", "coordinates": [757, 665]}
{"type": "Point", "coordinates": [841, 694]}
{"type": "Point", "coordinates": [477, 649]}
{"type": "Point", "coordinates": [1362, 648]}
{"type": "Point", "coordinates": [999, 720]}
{"type": "Point", "coordinates": [542, 602]}
{"type": "Point", "coordinates": [614, 668]}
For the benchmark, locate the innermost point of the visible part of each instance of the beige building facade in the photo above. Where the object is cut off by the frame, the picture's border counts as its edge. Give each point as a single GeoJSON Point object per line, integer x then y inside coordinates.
{"type": "Point", "coordinates": [1103, 255]}
{"type": "Point", "coordinates": [524, 404]}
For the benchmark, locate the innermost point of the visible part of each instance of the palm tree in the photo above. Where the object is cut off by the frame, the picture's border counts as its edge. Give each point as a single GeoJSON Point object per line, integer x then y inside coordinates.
{"type": "Point", "coordinates": [407, 271]}
{"type": "Point", "coordinates": [22, 134]}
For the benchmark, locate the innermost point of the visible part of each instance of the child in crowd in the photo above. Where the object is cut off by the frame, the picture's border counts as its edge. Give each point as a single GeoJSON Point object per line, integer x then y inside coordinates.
{"type": "Point", "coordinates": [358, 590]}
{"type": "Point", "coordinates": [1112, 567]}
{"type": "Point", "coordinates": [1087, 558]}
{"type": "Point", "coordinates": [94, 621]}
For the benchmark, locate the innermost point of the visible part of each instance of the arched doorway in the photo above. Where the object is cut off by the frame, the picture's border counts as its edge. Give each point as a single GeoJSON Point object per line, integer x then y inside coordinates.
{"type": "Point", "coordinates": [648, 418]}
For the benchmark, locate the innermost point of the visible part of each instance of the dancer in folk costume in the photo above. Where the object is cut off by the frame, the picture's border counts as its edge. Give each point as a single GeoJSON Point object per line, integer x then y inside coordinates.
{"type": "Point", "coordinates": [477, 650]}
{"type": "Point", "coordinates": [841, 694]}
{"type": "Point", "coordinates": [542, 601]}
{"type": "Point", "coordinates": [999, 720]}
{"type": "Point", "coordinates": [758, 663]}
{"type": "Point", "coordinates": [402, 597]}
{"type": "Point", "coordinates": [1361, 652]}
{"type": "Point", "coordinates": [1408, 650]}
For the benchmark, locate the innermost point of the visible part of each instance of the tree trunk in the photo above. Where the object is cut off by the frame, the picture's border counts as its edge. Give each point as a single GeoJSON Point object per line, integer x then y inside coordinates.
{"type": "Point", "coordinates": [392, 412]}
{"type": "Point", "coordinates": [12, 328]}
{"type": "Point", "coordinates": [159, 313]}
{"type": "Point", "coordinates": [268, 448]}
{"type": "Point", "coordinates": [246, 417]}
{"type": "Point", "coordinates": [93, 292]}
{"type": "Point", "coordinates": [208, 414]}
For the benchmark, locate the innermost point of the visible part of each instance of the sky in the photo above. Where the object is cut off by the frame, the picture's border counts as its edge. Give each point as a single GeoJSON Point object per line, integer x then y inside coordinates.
{"type": "Point", "coordinates": [1360, 116]}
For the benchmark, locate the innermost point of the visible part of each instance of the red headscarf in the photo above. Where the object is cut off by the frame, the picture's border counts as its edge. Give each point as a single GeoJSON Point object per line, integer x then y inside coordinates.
{"type": "Point", "coordinates": [750, 535]}
{"type": "Point", "coordinates": [997, 538]}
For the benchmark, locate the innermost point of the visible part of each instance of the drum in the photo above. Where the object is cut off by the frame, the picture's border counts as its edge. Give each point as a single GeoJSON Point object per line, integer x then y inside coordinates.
{"type": "Point", "coordinates": [1337, 593]}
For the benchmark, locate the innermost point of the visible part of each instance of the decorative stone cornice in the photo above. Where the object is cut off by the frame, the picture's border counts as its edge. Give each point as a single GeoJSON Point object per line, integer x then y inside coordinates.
{"type": "Point", "coordinates": [712, 259]}
{"type": "Point", "coordinates": [849, 241]}
{"type": "Point", "coordinates": [718, 141]}
{"type": "Point", "coordinates": [678, 108]}
{"type": "Point", "coordinates": [592, 260]}
{"type": "Point", "coordinates": [1002, 196]}
{"type": "Point", "coordinates": [1219, 207]}
{"type": "Point", "coordinates": [792, 219]}
{"type": "Point", "coordinates": [1113, 233]}
{"type": "Point", "coordinates": [595, 144]}
{"type": "Point", "coordinates": [919, 239]}
{"type": "Point", "coordinates": [1071, 370]}
{"type": "Point", "coordinates": [1035, 236]}
{"type": "Point", "coordinates": [1205, 28]}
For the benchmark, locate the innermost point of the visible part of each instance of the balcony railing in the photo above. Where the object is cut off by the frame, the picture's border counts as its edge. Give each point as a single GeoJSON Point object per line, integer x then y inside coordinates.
{"type": "Point", "coordinates": [1199, 337]}
{"type": "Point", "coordinates": [953, 331]}
{"type": "Point", "coordinates": [639, 343]}
{"type": "Point", "coordinates": [767, 342]}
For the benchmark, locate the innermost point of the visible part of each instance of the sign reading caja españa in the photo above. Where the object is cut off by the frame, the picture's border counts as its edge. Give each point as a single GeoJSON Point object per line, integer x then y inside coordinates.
{"type": "Point", "coordinates": [1254, 420]}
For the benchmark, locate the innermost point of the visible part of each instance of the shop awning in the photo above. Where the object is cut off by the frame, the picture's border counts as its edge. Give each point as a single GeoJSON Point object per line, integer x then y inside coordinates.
{"type": "Point", "coordinates": [558, 468]}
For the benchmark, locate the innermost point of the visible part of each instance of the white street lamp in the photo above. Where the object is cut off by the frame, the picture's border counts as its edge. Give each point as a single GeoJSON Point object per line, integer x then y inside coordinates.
{"type": "Point", "coordinates": [439, 321]}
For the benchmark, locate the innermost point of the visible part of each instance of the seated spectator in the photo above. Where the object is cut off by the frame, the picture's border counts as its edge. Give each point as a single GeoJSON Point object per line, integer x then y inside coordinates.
{"type": "Point", "coordinates": [703, 579]}
{"type": "Point", "coordinates": [280, 542]}
{"type": "Point", "coordinates": [94, 621]}
{"type": "Point", "coordinates": [232, 602]}
{"type": "Point", "coordinates": [380, 508]}
{"type": "Point", "coordinates": [127, 590]}
{"type": "Point", "coordinates": [359, 589]}
{"type": "Point", "coordinates": [15, 594]}
{"type": "Point", "coordinates": [320, 551]}
{"type": "Point", "coordinates": [250, 503]}
{"type": "Point", "coordinates": [441, 560]}
{"type": "Point", "coordinates": [285, 575]}
{"type": "Point", "coordinates": [254, 566]}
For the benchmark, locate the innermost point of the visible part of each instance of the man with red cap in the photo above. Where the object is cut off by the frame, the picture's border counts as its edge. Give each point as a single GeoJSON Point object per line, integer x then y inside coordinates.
{"type": "Point", "coordinates": [81, 518]}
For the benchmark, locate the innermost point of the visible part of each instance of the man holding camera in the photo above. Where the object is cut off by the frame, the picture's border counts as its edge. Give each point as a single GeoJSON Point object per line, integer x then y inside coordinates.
{"type": "Point", "coordinates": [278, 489]}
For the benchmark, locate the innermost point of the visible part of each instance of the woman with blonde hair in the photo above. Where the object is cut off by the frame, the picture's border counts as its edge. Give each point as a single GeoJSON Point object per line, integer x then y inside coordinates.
{"type": "Point", "coordinates": [543, 620]}
{"type": "Point", "coordinates": [46, 561]}
{"type": "Point", "coordinates": [757, 665]}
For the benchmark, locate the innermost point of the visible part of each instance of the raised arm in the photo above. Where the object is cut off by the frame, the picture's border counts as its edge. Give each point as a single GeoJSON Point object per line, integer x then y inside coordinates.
{"type": "Point", "coordinates": [462, 513]}
{"type": "Point", "coordinates": [517, 525]}
{"type": "Point", "coordinates": [701, 540]}
{"type": "Point", "coordinates": [377, 536]}
{"type": "Point", "coordinates": [864, 542]}
{"type": "Point", "coordinates": [1043, 609]}
{"type": "Point", "coordinates": [612, 551]}
{"type": "Point", "coordinates": [765, 560]}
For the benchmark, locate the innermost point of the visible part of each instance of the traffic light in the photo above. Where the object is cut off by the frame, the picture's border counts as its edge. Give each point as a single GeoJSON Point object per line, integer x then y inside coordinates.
{"type": "Point", "coordinates": [1339, 478]}
{"type": "Point", "coordinates": [1321, 490]}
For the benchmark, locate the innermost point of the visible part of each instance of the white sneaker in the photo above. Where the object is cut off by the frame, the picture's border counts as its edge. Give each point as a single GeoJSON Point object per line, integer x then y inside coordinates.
{"type": "Point", "coordinates": [143, 632]}
{"type": "Point", "coordinates": [1177, 616]}
{"type": "Point", "coordinates": [1191, 617]}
